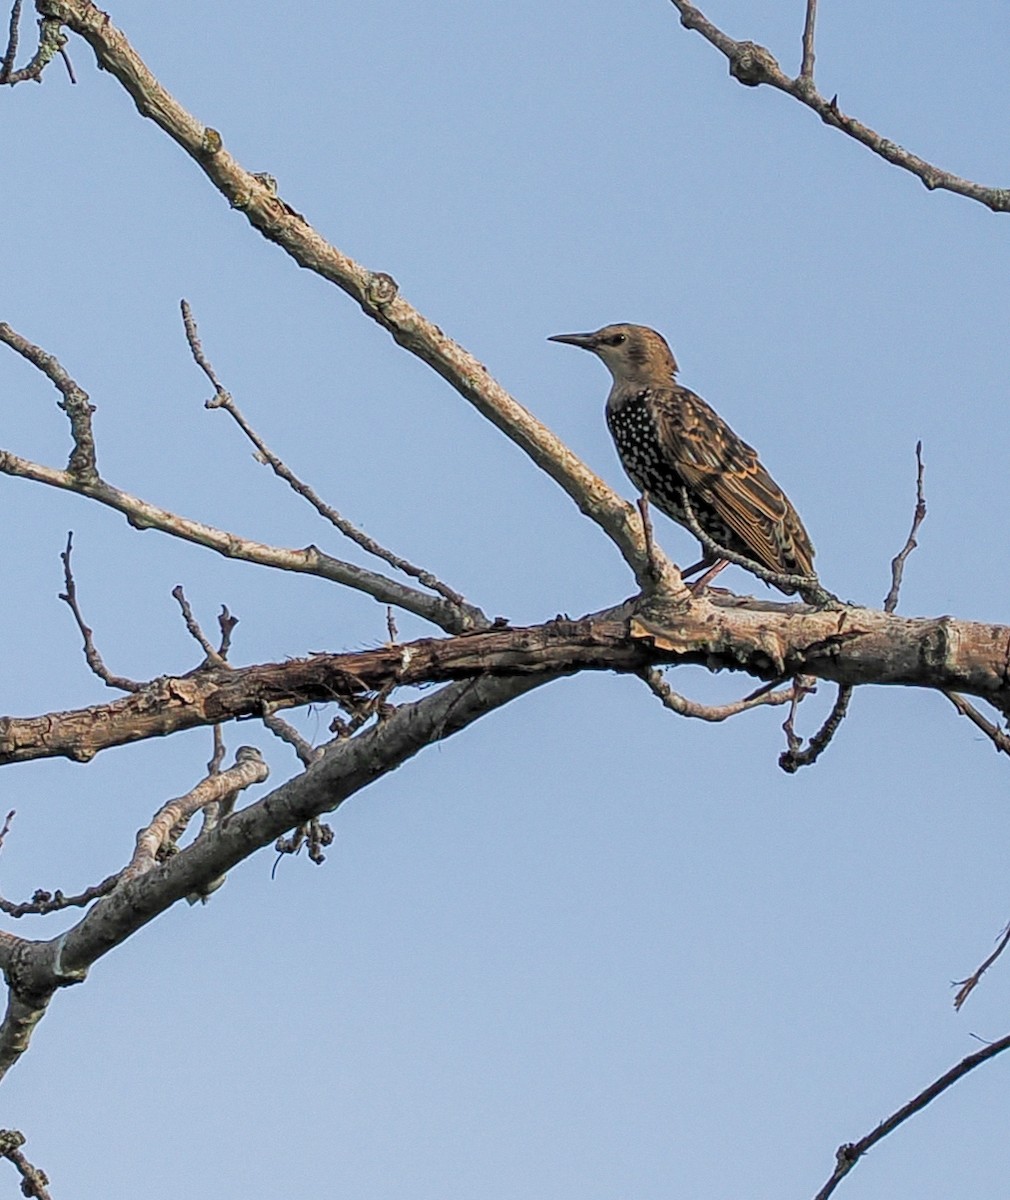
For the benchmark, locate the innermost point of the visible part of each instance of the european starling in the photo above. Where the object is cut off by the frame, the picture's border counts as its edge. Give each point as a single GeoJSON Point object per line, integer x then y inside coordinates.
{"type": "Point", "coordinates": [669, 439]}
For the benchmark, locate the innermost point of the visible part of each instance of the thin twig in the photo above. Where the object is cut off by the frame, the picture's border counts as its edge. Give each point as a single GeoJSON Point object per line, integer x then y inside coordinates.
{"type": "Point", "coordinates": [42, 903]}
{"type": "Point", "coordinates": [91, 655]}
{"type": "Point", "coordinates": [249, 768]}
{"type": "Point", "coordinates": [226, 623]}
{"type": "Point", "coordinates": [995, 735]}
{"type": "Point", "coordinates": [898, 562]}
{"type": "Point", "coordinates": [685, 707]}
{"type": "Point", "coordinates": [793, 757]}
{"type": "Point", "coordinates": [217, 757]}
{"type": "Point", "coordinates": [224, 399]}
{"type": "Point", "coordinates": [34, 1181]}
{"type": "Point", "coordinates": [807, 68]}
{"type": "Point", "coordinates": [752, 65]}
{"type": "Point", "coordinates": [7, 827]}
{"type": "Point", "coordinates": [68, 64]}
{"type": "Point", "coordinates": [307, 753]}
{"type": "Point", "coordinates": [967, 986]}
{"type": "Point", "coordinates": [52, 39]}
{"type": "Point", "coordinates": [214, 656]}
{"type": "Point", "coordinates": [849, 1154]}
{"type": "Point", "coordinates": [75, 402]}
{"type": "Point", "coordinates": [7, 66]}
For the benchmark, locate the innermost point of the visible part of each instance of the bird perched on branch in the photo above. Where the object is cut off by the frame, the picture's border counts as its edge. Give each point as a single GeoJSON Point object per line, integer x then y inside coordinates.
{"type": "Point", "coordinates": [671, 443]}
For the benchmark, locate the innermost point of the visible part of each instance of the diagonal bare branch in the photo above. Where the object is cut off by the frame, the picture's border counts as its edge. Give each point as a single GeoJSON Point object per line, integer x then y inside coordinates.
{"type": "Point", "coordinates": [82, 476]}
{"type": "Point", "coordinates": [753, 65]}
{"type": "Point", "coordinates": [848, 1155]}
{"type": "Point", "coordinates": [224, 399]}
{"type": "Point", "coordinates": [809, 586]}
{"type": "Point", "coordinates": [376, 292]}
{"type": "Point", "coordinates": [36, 970]}
{"type": "Point", "coordinates": [999, 739]}
{"type": "Point", "coordinates": [75, 402]}
{"type": "Point", "coordinates": [965, 987]}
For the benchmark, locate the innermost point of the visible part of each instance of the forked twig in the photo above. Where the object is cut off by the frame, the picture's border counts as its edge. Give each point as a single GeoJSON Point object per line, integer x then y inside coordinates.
{"type": "Point", "coordinates": [91, 655]}
{"type": "Point", "coordinates": [794, 757]}
{"type": "Point", "coordinates": [753, 65]}
{"type": "Point", "coordinates": [965, 987]}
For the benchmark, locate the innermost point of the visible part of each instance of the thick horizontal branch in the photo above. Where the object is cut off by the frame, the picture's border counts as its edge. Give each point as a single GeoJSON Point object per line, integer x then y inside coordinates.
{"type": "Point", "coordinates": [377, 293]}
{"type": "Point", "coordinates": [852, 646]}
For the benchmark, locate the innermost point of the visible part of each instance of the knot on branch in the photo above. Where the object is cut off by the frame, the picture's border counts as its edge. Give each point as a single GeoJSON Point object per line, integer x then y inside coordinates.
{"type": "Point", "coordinates": [10, 1139]}
{"type": "Point", "coordinates": [211, 143]}
{"type": "Point", "coordinates": [753, 64]}
{"type": "Point", "coordinates": [382, 289]}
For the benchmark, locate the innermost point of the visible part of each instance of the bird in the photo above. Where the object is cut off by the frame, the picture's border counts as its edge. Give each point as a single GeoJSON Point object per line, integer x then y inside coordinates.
{"type": "Point", "coordinates": [672, 443]}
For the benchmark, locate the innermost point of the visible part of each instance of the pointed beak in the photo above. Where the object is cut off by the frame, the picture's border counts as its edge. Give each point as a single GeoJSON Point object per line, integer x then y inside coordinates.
{"type": "Point", "coordinates": [584, 341]}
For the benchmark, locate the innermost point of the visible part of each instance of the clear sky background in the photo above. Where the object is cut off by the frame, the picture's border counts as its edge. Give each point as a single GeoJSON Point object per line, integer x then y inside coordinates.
{"type": "Point", "coordinates": [584, 950]}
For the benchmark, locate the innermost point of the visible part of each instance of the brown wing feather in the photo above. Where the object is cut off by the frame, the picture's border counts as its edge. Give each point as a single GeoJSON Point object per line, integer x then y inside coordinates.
{"type": "Point", "coordinates": [726, 473]}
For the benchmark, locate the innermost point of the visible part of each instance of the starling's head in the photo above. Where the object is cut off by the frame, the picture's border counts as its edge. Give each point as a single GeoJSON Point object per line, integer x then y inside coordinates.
{"type": "Point", "coordinates": [634, 354]}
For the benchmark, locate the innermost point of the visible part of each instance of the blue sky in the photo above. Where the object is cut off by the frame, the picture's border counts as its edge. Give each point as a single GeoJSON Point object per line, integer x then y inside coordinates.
{"type": "Point", "coordinates": [585, 949]}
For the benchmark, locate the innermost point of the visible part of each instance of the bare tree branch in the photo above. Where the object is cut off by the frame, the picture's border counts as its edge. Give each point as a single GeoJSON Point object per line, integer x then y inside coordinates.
{"type": "Point", "coordinates": [967, 986]}
{"type": "Point", "coordinates": [685, 707]}
{"type": "Point", "coordinates": [769, 642]}
{"type": "Point", "coordinates": [173, 817]}
{"type": "Point", "coordinates": [807, 67]}
{"type": "Point", "coordinates": [36, 970]}
{"type": "Point", "coordinates": [10, 54]}
{"type": "Point", "coordinates": [898, 562]}
{"type": "Point", "coordinates": [753, 65]}
{"type": "Point", "coordinates": [91, 654]}
{"type": "Point", "coordinates": [375, 292]}
{"type": "Point", "coordinates": [999, 739]}
{"type": "Point", "coordinates": [34, 1181]}
{"type": "Point", "coordinates": [848, 1155]}
{"type": "Point", "coordinates": [51, 42]}
{"type": "Point", "coordinates": [213, 656]}
{"type": "Point", "coordinates": [224, 399]}
{"type": "Point", "coordinates": [794, 757]}
{"type": "Point", "coordinates": [307, 561]}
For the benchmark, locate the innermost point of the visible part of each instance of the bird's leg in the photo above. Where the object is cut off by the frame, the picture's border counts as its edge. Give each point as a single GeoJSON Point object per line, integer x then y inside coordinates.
{"type": "Point", "coordinates": [707, 561]}
{"type": "Point", "coordinates": [699, 585]}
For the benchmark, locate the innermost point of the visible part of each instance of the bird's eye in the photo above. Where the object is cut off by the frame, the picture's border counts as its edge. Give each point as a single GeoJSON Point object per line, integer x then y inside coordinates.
{"type": "Point", "coordinates": [617, 339]}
